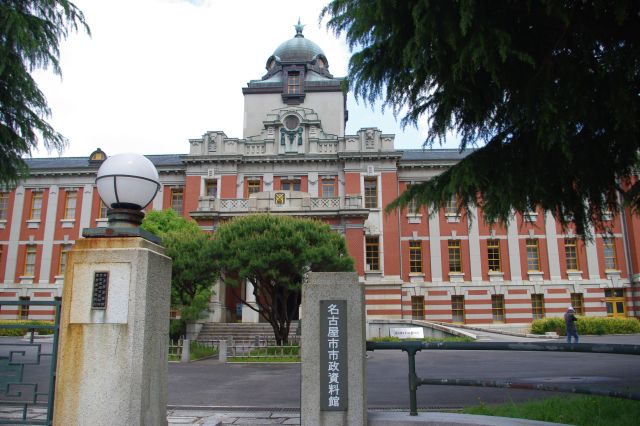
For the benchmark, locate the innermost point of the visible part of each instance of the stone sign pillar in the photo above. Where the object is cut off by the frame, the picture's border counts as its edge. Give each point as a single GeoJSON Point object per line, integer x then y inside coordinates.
{"type": "Point", "coordinates": [114, 334]}
{"type": "Point", "coordinates": [333, 350]}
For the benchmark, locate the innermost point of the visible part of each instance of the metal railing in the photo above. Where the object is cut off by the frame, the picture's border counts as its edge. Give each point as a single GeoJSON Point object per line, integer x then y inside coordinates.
{"type": "Point", "coordinates": [411, 348]}
{"type": "Point", "coordinates": [262, 348]}
{"type": "Point", "coordinates": [16, 356]}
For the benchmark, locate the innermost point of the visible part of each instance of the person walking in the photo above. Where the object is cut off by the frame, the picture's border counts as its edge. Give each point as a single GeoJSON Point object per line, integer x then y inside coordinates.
{"type": "Point", "coordinates": [570, 322]}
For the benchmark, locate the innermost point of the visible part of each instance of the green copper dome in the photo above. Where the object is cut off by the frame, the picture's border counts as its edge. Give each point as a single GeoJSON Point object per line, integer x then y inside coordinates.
{"type": "Point", "coordinates": [298, 49]}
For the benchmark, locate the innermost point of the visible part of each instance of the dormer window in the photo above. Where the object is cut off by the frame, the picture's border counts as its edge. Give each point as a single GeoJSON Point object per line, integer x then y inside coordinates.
{"type": "Point", "coordinates": [293, 83]}
{"type": "Point", "coordinates": [97, 157]}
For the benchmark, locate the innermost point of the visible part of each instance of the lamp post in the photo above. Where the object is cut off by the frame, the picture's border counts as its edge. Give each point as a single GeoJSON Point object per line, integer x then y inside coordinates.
{"type": "Point", "coordinates": [114, 325]}
{"type": "Point", "coordinates": [126, 183]}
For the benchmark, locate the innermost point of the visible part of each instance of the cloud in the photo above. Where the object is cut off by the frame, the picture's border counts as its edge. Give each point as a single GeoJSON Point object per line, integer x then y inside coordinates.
{"type": "Point", "coordinates": [158, 72]}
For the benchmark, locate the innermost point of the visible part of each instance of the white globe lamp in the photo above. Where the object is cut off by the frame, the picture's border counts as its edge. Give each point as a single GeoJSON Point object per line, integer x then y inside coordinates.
{"type": "Point", "coordinates": [127, 183]}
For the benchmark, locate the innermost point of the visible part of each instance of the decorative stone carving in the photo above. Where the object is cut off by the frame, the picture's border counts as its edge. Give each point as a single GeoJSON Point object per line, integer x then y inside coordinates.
{"type": "Point", "coordinates": [369, 142]}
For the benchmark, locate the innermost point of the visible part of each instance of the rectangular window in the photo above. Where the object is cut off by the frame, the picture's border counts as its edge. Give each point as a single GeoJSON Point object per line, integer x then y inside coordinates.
{"type": "Point", "coordinates": [577, 301]}
{"type": "Point", "coordinates": [455, 256]}
{"type": "Point", "coordinates": [610, 259]}
{"type": "Point", "coordinates": [36, 205]}
{"type": "Point", "coordinates": [102, 213]}
{"type": "Point", "coordinates": [537, 306]}
{"type": "Point", "coordinates": [253, 186]}
{"type": "Point", "coordinates": [328, 188]}
{"type": "Point", "coordinates": [415, 256]}
{"type": "Point", "coordinates": [417, 307]}
{"type": "Point", "coordinates": [533, 254]}
{"type": "Point", "coordinates": [211, 188]}
{"type": "Point", "coordinates": [372, 254]}
{"type": "Point", "coordinates": [571, 254]}
{"type": "Point", "coordinates": [457, 309]}
{"type": "Point", "coordinates": [412, 207]}
{"type": "Point", "coordinates": [493, 255]}
{"type": "Point", "coordinates": [290, 185]}
{"type": "Point", "coordinates": [4, 205]}
{"type": "Point", "coordinates": [293, 83]}
{"type": "Point", "coordinates": [30, 260]}
{"type": "Point", "coordinates": [497, 307]}
{"type": "Point", "coordinates": [451, 208]}
{"type": "Point", "coordinates": [23, 310]}
{"type": "Point", "coordinates": [70, 200]}
{"type": "Point", "coordinates": [64, 256]}
{"type": "Point", "coordinates": [370, 192]}
{"type": "Point", "coordinates": [177, 200]}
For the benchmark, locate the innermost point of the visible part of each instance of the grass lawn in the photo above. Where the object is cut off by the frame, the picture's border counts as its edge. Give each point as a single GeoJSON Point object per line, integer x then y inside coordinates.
{"type": "Point", "coordinates": [197, 351]}
{"type": "Point", "coordinates": [574, 410]}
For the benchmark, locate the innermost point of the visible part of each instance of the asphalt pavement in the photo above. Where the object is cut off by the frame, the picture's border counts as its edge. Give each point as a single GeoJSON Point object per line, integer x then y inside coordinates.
{"type": "Point", "coordinates": [209, 383]}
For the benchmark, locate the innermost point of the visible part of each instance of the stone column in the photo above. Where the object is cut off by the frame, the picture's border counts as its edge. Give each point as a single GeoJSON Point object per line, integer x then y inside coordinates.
{"type": "Point", "coordinates": [217, 307]}
{"type": "Point", "coordinates": [333, 390]}
{"type": "Point", "coordinates": [114, 338]}
{"type": "Point", "coordinates": [248, 314]}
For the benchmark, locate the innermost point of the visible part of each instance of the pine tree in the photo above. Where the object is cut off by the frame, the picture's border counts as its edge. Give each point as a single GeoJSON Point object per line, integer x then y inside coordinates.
{"type": "Point", "coordinates": [30, 32]}
{"type": "Point", "coordinates": [274, 253]}
{"type": "Point", "coordinates": [547, 90]}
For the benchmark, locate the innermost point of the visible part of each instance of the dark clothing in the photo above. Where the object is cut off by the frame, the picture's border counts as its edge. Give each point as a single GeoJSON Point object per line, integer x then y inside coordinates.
{"type": "Point", "coordinates": [570, 322]}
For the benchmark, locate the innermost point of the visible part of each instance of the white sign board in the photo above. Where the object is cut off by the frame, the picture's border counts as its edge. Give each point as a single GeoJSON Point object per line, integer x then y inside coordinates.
{"type": "Point", "coordinates": [407, 332]}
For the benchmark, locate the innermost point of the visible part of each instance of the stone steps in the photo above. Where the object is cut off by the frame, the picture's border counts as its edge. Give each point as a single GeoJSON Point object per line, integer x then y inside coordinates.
{"type": "Point", "coordinates": [240, 331]}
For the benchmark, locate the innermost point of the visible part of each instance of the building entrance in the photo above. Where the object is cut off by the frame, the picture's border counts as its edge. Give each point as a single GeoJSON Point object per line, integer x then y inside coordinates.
{"type": "Point", "coordinates": [614, 299]}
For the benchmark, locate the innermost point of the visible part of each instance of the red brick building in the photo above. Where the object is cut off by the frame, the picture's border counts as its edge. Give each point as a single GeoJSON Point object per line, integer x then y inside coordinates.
{"type": "Point", "coordinates": [294, 158]}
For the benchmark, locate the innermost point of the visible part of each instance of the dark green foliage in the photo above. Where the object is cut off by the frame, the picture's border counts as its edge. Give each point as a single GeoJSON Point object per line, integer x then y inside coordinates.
{"type": "Point", "coordinates": [550, 87]}
{"type": "Point", "coordinates": [193, 269]}
{"type": "Point", "coordinates": [22, 331]}
{"type": "Point", "coordinates": [30, 32]}
{"type": "Point", "coordinates": [274, 253]}
{"type": "Point", "coordinates": [588, 325]}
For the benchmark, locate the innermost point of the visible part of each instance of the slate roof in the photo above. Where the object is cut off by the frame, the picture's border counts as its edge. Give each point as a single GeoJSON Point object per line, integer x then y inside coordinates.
{"type": "Point", "coordinates": [434, 154]}
{"type": "Point", "coordinates": [51, 163]}
{"type": "Point", "coordinates": [175, 160]}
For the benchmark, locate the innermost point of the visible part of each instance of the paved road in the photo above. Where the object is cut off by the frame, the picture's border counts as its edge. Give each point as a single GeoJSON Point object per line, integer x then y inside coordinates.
{"type": "Point", "coordinates": [209, 383]}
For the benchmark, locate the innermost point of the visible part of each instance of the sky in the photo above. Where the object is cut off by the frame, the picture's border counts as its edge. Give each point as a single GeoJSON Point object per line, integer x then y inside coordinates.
{"type": "Point", "coordinates": [155, 73]}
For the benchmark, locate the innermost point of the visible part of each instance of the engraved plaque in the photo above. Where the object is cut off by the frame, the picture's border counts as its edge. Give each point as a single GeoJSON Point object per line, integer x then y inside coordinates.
{"type": "Point", "coordinates": [100, 290]}
{"type": "Point", "coordinates": [333, 356]}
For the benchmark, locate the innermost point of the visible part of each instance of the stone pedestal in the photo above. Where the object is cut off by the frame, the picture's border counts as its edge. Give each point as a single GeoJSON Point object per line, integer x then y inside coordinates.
{"type": "Point", "coordinates": [333, 350]}
{"type": "Point", "coordinates": [113, 341]}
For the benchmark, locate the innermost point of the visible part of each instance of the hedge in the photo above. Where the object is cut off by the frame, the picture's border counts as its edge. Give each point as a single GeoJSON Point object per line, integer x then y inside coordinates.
{"type": "Point", "coordinates": [23, 331]}
{"type": "Point", "coordinates": [588, 325]}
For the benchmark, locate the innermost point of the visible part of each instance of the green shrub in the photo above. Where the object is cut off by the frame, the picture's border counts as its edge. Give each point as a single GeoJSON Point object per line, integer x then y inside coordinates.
{"type": "Point", "coordinates": [588, 325]}
{"type": "Point", "coordinates": [22, 331]}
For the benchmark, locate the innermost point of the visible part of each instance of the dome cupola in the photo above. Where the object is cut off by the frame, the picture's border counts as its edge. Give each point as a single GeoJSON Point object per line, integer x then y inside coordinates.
{"type": "Point", "coordinates": [299, 51]}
